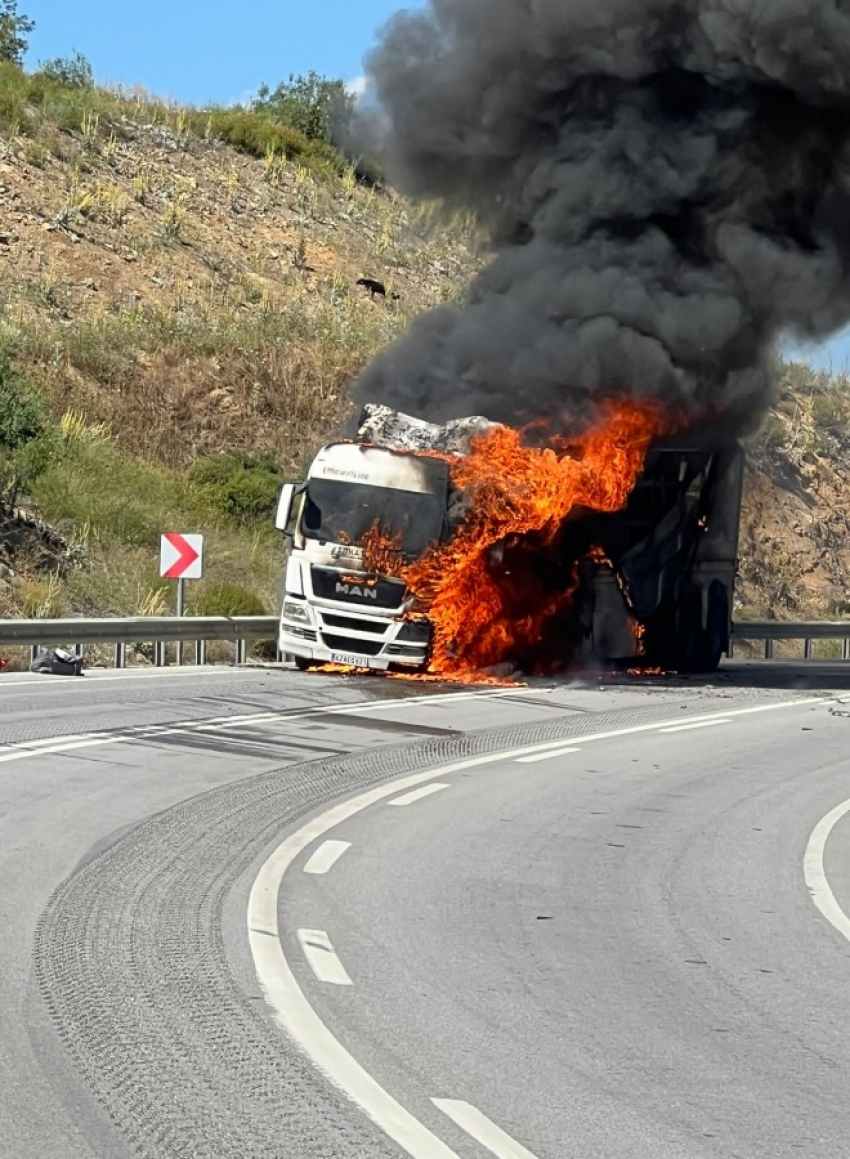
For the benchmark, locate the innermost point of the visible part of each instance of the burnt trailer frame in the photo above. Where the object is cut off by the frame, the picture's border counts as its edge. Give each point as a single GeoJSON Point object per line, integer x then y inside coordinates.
{"type": "Point", "coordinates": [665, 597]}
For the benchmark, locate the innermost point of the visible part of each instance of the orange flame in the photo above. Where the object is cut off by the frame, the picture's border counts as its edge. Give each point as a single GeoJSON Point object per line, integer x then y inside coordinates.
{"type": "Point", "coordinates": [481, 590]}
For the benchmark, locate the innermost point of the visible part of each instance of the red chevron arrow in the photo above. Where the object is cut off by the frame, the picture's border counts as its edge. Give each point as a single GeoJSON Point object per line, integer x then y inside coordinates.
{"type": "Point", "coordinates": [186, 556]}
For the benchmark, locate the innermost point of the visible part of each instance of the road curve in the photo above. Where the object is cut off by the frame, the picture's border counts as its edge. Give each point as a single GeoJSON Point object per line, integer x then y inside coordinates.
{"type": "Point", "coordinates": [137, 810]}
{"type": "Point", "coordinates": [607, 952]}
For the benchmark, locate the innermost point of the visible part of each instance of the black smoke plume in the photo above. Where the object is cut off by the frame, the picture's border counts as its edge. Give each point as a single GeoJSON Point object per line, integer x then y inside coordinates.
{"type": "Point", "coordinates": [666, 184]}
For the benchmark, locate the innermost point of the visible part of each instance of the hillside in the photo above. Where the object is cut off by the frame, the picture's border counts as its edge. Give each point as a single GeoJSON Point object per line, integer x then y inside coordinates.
{"type": "Point", "coordinates": [167, 297]}
{"type": "Point", "coordinates": [180, 315]}
{"type": "Point", "coordinates": [795, 534]}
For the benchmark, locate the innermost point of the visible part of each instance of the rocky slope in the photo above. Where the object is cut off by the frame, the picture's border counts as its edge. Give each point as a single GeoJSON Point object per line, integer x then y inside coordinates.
{"type": "Point", "coordinates": [176, 297]}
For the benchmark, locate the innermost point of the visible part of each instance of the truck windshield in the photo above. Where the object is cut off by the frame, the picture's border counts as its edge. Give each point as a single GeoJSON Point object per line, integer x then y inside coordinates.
{"type": "Point", "coordinates": [337, 512]}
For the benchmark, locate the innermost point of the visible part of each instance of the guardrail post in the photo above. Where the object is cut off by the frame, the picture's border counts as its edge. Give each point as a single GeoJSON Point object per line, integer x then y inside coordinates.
{"type": "Point", "coordinates": [120, 654]}
{"type": "Point", "coordinates": [159, 654]}
{"type": "Point", "coordinates": [200, 653]}
{"type": "Point", "coordinates": [807, 649]}
{"type": "Point", "coordinates": [768, 649]}
{"type": "Point", "coordinates": [845, 649]}
{"type": "Point", "coordinates": [241, 650]}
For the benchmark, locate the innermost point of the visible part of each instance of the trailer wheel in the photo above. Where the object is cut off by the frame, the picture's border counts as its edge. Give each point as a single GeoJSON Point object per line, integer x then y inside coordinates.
{"type": "Point", "coordinates": [703, 647]}
{"type": "Point", "coordinates": [716, 635]}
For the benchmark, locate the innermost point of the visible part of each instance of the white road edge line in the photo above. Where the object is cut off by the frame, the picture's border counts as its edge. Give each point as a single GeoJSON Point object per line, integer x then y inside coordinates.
{"type": "Point", "coordinates": [691, 727]}
{"type": "Point", "coordinates": [326, 856]}
{"type": "Point", "coordinates": [98, 676]}
{"type": "Point", "coordinates": [322, 957]}
{"type": "Point", "coordinates": [815, 872]}
{"type": "Point", "coordinates": [418, 794]}
{"type": "Point", "coordinates": [291, 1011]}
{"type": "Point", "coordinates": [545, 756]}
{"type": "Point", "coordinates": [482, 1130]}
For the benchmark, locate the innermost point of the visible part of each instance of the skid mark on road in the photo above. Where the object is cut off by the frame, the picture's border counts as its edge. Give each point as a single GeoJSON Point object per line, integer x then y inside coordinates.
{"type": "Point", "coordinates": [26, 750]}
{"type": "Point", "coordinates": [290, 1007]}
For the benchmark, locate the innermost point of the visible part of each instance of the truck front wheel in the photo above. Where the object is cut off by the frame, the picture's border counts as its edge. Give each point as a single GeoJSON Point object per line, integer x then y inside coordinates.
{"type": "Point", "coordinates": [304, 664]}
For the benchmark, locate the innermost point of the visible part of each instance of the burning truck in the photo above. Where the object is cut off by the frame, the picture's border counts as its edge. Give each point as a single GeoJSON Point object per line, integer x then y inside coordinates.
{"type": "Point", "coordinates": [471, 547]}
{"type": "Point", "coordinates": [658, 192]}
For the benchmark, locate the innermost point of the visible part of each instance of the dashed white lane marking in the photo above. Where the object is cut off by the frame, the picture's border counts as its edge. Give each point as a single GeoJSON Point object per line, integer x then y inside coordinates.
{"type": "Point", "coordinates": [417, 794]}
{"type": "Point", "coordinates": [290, 1008]}
{"type": "Point", "coordinates": [691, 727]}
{"type": "Point", "coordinates": [482, 1130]}
{"type": "Point", "coordinates": [326, 856]}
{"type": "Point", "coordinates": [322, 957]}
{"type": "Point", "coordinates": [26, 750]}
{"type": "Point", "coordinates": [695, 722]}
{"type": "Point", "coordinates": [815, 872]}
{"type": "Point", "coordinates": [546, 756]}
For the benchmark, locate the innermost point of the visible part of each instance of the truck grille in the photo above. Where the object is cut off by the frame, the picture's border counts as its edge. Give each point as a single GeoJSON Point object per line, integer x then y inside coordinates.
{"type": "Point", "coordinates": [350, 644]}
{"type": "Point", "coordinates": [355, 624]}
{"type": "Point", "coordinates": [330, 584]}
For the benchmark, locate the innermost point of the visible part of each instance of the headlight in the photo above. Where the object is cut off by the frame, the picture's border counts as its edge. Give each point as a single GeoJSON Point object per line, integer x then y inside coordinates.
{"type": "Point", "coordinates": [294, 611]}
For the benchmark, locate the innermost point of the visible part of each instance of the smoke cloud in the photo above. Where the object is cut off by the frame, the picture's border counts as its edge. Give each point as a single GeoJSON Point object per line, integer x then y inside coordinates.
{"type": "Point", "coordinates": [666, 185]}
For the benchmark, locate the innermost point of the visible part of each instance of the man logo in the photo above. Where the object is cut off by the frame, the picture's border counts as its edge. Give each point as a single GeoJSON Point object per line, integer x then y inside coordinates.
{"type": "Point", "coordinates": [357, 592]}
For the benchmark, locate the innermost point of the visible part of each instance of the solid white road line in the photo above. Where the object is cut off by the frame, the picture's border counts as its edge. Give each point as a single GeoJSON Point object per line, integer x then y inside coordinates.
{"type": "Point", "coordinates": [691, 727]}
{"type": "Point", "coordinates": [815, 873]}
{"type": "Point", "coordinates": [482, 1130]}
{"type": "Point", "coordinates": [326, 856]}
{"type": "Point", "coordinates": [26, 750]}
{"type": "Point", "coordinates": [322, 958]}
{"type": "Point", "coordinates": [417, 794]}
{"type": "Point", "coordinates": [290, 1008]}
{"type": "Point", "coordinates": [8, 681]}
{"type": "Point", "coordinates": [546, 756]}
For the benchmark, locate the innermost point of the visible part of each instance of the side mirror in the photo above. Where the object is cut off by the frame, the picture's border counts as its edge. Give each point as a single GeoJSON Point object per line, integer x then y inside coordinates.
{"type": "Point", "coordinates": [288, 494]}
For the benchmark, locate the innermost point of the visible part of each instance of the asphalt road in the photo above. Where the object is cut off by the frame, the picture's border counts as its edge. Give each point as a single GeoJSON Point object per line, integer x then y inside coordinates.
{"type": "Point", "coordinates": [610, 951]}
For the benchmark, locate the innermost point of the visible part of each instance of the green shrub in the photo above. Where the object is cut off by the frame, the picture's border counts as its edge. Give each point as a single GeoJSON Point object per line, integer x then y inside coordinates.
{"type": "Point", "coordinates": [22, 408]}
{"type": "Point", "coordinates": [252, 132]}
{"type": "Point", "coordinates": [316, 106]}
{"type": "Point", "coordinates": [243, 486]}
{"type": "Point", "coordinates": [251, 494]}
{"type": "Point", "coordinates": [223, 599]}
{"type": "Point", "coordinates": [37, 456]}
{"type": "Point", "coordinates": [774, 433]}
{"type": "Point", "coordinates": [829, 412]}
{"type": "Point", "coordinates": [75, 72]}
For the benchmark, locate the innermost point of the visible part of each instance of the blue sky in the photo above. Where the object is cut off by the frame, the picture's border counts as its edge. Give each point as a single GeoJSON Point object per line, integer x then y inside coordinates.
{"type": "Point", "coordinates": [197, 52]}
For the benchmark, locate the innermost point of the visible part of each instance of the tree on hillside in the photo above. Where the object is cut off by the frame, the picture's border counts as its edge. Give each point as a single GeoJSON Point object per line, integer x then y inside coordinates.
{"type": "Point", "coordinates": [14, 30]}
{"type": "Point", "coordinates": [318, 107]}
{"type": "Point", "coordinates": [74, 72]}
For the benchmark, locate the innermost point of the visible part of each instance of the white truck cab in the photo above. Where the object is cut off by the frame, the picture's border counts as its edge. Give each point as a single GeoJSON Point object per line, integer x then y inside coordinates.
{"type": "Point", "coordinates": [333, 610]}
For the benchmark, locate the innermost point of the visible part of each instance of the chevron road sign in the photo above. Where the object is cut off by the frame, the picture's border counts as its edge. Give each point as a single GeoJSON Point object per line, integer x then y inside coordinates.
{"type": "Point", "coordinates": [181, 556]}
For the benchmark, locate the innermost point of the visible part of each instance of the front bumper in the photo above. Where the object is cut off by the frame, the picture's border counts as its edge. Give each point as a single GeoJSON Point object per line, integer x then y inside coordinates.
{"type": "Point", "coordinates": [337, 636]}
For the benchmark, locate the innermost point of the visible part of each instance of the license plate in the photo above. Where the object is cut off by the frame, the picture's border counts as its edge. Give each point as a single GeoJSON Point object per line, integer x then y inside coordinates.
{"type": "Point", "coordinates": [347, 658]}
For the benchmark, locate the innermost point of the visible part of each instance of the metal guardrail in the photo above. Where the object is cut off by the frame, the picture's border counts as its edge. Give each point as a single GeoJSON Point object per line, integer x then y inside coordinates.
{"type": "Point", "coordinates": [160, 630]}
{"type": "Point", "coordinates": [772, 630]}
{"type": "Point", "coordinates": [156, 630]}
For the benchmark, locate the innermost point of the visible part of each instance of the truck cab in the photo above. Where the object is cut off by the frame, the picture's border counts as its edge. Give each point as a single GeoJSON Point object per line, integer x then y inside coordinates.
{"type": "Point", "coordinates": [333, 610]}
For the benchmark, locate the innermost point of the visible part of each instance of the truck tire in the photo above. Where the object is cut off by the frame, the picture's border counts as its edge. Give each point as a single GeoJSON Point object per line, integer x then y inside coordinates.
{"type": "Point", "coordinates": [717, 626]}
{"type": "Point", "coordinates": [702, 647]}
{"type": "Point", "coordinates": [303, 664]}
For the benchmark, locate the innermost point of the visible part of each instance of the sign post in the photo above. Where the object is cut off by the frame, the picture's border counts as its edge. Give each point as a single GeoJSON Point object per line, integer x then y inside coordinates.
{"type": "Point", "coordinates": [181, 557]}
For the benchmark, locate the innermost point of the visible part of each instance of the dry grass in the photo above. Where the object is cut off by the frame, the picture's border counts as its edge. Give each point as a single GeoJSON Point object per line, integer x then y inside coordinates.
{"type": "Point", "coordinates": [184, 281]}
